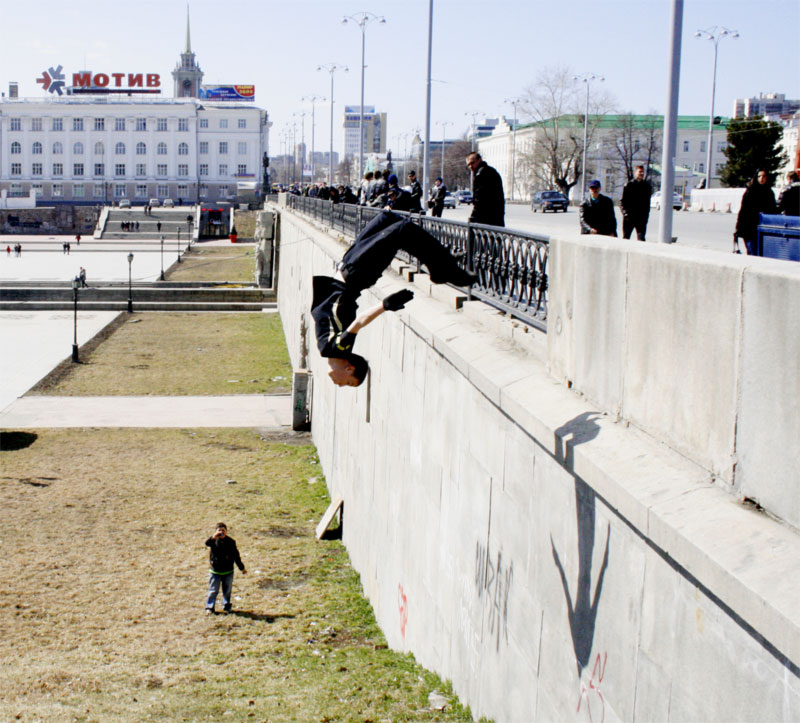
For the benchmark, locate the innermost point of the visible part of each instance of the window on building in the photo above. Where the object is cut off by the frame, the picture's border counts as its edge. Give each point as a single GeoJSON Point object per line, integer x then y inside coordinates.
{"type": "Point", "coordinates": [161, 124]}
{"type": "Point", "coordinates": [223, 122]}
{"type": "Point", "coordinates": [242, 122]}
{"type": "Point", "coordinates": [141, 149]}
{"type": "Point", "coordinates": [99, 124]}
{"type": "Point", "coordinates": [36, 169]}
{"type": "Point", "coordinates": [183, 169]}
{"type": "Point", "coordinates": [702, 146]}
{"type": "Point", "coordinates": [119, 124]}
{"type": "Point", "coordinates": [162, 190]}
{"type": "Point", "coordinates": [183, 124]}
{"type": "Point", "coordinates": [99, 148]}
{"type": "Point", "coordinates": [203, 190]}
{"type": "Point", "coordinates": [77, 124]}
{"type": "Point", "coordinates": [141, 169]}
{"type": "Point", "coordinates": [699, 167]}
{"type": "Point", "coordinates": [721, 146]}
{"type": "Point", "coordinates": [58, 148]}
{"type": "Point", "coordinates": [77, 169]}
{"type": "Point", "coordinates": [204, 169]}
{"type": "Point", "coordinates": [203, 122]}
{"type": "Point", "coordinates": [15, 124]}
{"type": "Point", "coordinates": [99, 169]}
{"type": "Point", "coordinates": [57, 124]}
{"type": "Point", "coordinates": [718, 168]}
{"type": "Point", "coordinates": [241, 169]}
{"type": "Point", "coordinates": [161, 169]}
{"type": "Point", "coordinates": [161, 149]}
{"type": "Point", "coordinates": [223, 169]}
{"type": "Point", "coordinates": [686, 146]}
{"type": "Point", "coordinates": [78, 190]}
{"type": "Point", "coordinates": [183, 149]}
{"type": "Point", "coordinates": [77, 149]}
{"type": "Point", "coordinates": [36, 148]}
{"type": "Point", "coordinates": [16, 147]}
{"type": "Point", "coordinates": [141, 190]}
{"type": "Point", "coordinates": [242, 146]}
{"type": "Point", "coordinates": [223, 191]}
{"type": "Point", "coordinates": [36, 124]}
{"type": "Point", "coordinates": [203, 147]}
{"type": "Point", "coordinates": [38, 189]}
{"type": "Point", "coordinates": [58, 190]}
{"type": "Point", "coordinates": [119, 190]}
{"type": "Point", "coordinates": [223, 148]}
{"type": "Point", "coordinates": [58, 169]}
{"type": "Point", "coordinates": [183, 190]}
{"type": "Point", "coordinates": [99, 190]}
{"type": "Point", "coordinates": [119, 149]}
{"type": "Point", "coordinates": [141, 124]}
{"type": "Point", "coordinates": [16, 190]}
{"type": "Point", "coordinates": [119, 169]}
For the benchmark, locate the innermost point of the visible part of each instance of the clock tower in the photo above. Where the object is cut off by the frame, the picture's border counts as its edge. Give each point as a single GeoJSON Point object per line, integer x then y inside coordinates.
{"type": "Point", "coordinates": [187, 73]}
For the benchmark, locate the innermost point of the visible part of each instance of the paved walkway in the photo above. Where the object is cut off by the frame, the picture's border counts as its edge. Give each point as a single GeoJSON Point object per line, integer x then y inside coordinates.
{"type": "Point", "coordinates": [242, 410]}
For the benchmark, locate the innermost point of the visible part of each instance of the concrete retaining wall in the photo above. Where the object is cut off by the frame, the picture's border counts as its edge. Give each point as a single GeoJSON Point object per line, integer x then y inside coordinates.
{"type": "Point", "coordinates": [49, 220]}
{"type": "Point", "coordinates": [552, 560]}
{"type": "Point", "coordinates": [717, 199]}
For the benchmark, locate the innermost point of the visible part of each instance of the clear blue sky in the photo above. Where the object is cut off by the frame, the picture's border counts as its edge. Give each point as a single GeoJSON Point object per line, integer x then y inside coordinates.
{"type": "Point", "coordinates": [483, 52]}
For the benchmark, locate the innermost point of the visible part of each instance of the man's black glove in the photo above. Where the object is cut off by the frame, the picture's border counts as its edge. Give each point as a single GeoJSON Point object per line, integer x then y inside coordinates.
{"type": "Point", "coordinates": [397, 300]}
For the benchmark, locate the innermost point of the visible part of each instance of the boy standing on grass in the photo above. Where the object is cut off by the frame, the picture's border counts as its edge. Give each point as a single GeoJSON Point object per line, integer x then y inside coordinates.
{"type": "Point", "coordinates": [223, 555]}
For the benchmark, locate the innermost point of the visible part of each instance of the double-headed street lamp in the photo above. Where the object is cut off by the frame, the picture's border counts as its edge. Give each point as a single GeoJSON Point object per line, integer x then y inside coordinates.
{"type": "Point", "coordinates": [515, 102]}
{"type": "Point", "coordinates": [714, 34]}
{"type": "Point", "coordinates": [586, 78]}
{"type": "Point", "coordinates": [331, 68]}
{"type": "Point", "coordinates": [130, 292]}
{"type": "Point", "coordinates": [313, 99]}
{"type": "Point", "coordinates": [362, 20]}
{"type": "Point", "coordinates": [75, 284]}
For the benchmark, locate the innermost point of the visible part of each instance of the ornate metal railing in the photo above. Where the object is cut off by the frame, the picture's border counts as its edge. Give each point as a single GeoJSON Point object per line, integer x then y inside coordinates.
{"type": "Point", "coordinates": [511, 265]}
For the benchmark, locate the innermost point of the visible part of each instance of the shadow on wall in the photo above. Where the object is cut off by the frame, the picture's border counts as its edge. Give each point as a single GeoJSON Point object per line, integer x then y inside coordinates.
{"type": "Point", "coordinates": [582, 612]}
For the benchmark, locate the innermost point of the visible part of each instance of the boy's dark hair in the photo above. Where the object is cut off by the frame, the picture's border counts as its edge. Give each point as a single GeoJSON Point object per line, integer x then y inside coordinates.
{"type": "Point", "coordinates": [222, 524]}
{"type": "Point", "coordinates": [361, 367]}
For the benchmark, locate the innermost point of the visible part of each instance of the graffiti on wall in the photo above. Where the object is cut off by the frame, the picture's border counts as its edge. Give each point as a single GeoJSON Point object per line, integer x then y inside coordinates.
{"type": "Point", "coordinates": [493, 582]}
{"type": "Point", "coordinates": [592, 690]}
{"type": "Point", "coordinates": [402, 606]}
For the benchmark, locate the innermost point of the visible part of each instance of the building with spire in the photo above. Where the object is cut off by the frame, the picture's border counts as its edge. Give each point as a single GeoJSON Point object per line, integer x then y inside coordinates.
{"type": "Point", "coordinates": [187, 74]}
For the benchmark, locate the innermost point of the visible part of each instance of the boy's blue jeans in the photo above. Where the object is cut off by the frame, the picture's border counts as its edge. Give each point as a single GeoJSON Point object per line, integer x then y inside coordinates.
{"type": "Point", "coordinates": [214, 582]}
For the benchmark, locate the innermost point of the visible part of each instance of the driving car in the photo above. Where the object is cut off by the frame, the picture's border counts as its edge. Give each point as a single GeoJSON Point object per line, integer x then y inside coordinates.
{"type": "Point", "coordinates": [463, 196]}
{"type": "Point", "coordinates": [450, 200]}
{"type": "Point", "coordinates": [554, 201]}
{"type": "Point", "coordinates": [655, 201]}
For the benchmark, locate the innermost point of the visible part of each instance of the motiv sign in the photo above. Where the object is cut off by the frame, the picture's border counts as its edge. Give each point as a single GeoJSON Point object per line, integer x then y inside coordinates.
{"type": "Point", "coordinates": [53, 81]}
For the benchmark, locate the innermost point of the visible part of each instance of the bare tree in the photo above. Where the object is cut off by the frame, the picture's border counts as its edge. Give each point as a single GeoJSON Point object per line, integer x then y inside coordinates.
{"type": "Point", "coordinates": [555, 105]}
{"type": "Point", "coordinates": [345, 172]}
{"type": "Point", "coordinates": [456, 174]}
{"type": "Point", "coordinates": [636, 140]}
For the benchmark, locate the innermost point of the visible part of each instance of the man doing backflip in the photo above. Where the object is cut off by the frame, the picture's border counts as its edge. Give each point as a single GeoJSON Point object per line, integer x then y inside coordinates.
{"type": "Point", "coordinates": [335, 301]}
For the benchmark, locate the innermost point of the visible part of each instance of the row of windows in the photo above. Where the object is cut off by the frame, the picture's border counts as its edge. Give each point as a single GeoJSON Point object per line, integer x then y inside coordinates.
{"type": "Point", "coordinates": [140, 124]}
{"type": "Point", "coordinates": [721, 146]}
{"type": "Point", "coordinates": [120, 190]}
{"type": "Point", "coordinates": [120, 150]}
{"type": "Point", "coordinates": [121, 168]}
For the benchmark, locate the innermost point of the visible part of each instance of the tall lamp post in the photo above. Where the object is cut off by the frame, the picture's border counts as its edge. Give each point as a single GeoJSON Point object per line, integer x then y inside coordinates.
{"type": "Point", "coordinates": [179, 244]}
{"type": "Point", "coordinates": [130, 293]}
{"type": "Point", "coordinates": [362, 20]}
{"type": "Point", "coordinates": [162, 259]}
{"type": "Point", "coordinates": [331, 68]}
{"type": "Point", "coordinates": [302, 115]}
{"type": "Point", "coordinates": [444, 125]}
{"type": "Point", "coordinates": [586, 78]}
{"type": "Point", "coordinates": [474, 114]}
{"type": "Point", "coordinates": [714, 34]}
{"type": "Point", "coordinates": [75, 284]}
{"type": "Point", "coordinates": [313, 99]}
{"type": "Point", "coordinates": [515, 102]}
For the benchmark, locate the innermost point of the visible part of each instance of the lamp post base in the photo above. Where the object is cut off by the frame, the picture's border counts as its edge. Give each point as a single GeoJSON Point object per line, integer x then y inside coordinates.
{"type": "Point", "coordinates": [75, 357]}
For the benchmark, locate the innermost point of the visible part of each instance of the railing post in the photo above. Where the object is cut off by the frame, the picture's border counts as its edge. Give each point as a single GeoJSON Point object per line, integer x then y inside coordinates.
{"type": "Point", "coordinates": [470, 255]}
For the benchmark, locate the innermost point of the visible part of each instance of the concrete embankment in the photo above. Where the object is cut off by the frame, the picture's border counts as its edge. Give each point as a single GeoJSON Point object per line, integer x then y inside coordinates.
{"type": "Point", "coordinates": [557, 524]}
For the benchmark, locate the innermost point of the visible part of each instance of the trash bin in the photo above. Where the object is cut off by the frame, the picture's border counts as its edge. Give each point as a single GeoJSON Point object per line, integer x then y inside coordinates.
{"type": "Point", "coordinates": [779, 237]}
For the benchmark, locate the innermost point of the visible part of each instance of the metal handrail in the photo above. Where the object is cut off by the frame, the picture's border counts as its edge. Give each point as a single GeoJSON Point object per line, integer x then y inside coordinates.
{"type": "Point", "coordinates": [511, 265]}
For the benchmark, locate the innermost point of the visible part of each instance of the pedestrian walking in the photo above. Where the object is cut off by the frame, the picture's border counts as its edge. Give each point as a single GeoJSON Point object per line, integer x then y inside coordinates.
{"type": "Point", "coordinates": [597, 213]}
{"type": "Point", "coordinates": [82, 277]}
{"type": "Point", "coordinates": [436, 202]}
{"type": "Point", "coordinates": [365, 188]}
{"type": "Point", "coordinates": [158, 226]}
{"type": "Point", "coordinates": [416, 192]}
{"type": "Point", "coordinates": [137, 225]}
{"type": "Point", "coordinates": [223, 555]}
{"type": "Point", "coordinates": [78, 239]}
{"type": "Point", "coordinates": [757, 199]}
{"type": "Point", "coordinates": [635, 205]}
{"type": "Point", "coordinates": [488, 198]}
{"type": "Point", "coordinates": [789, 200]}
{"type": "Point", "coordinates": [8, 250]}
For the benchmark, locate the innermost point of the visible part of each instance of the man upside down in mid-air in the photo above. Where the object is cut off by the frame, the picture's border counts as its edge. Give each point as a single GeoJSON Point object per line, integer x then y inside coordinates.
{"type": "Point", "coordinates": [335, 302]}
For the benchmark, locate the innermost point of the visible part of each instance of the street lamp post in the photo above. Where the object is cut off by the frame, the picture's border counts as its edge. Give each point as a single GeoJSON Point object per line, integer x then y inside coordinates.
{"type": "Point", "coordinates": [474, 114]}
{"type": "Point", "coordinates": [162, 259]}
{"type": "Point", "coordinates": [331, 68]}
{"type": "Point", "coordinates": [313, 99]}
{"type": "Point", "coordinates": [362, 20]}
{"type": "Point", "coordinates": [444, 125]}
{"type": "Point", "coordinates": [586, 78]}
{"type": "Point", "coordinates": [514, 102]}
{"type": "Point", "coordinates": [179, 244]}
{"type": "Point", "coordinates": [75, 357]}
{"type": "Point", "coordinates": [302, 115]}
{"type": "Point", "coordinates": [714, 34]}
{"type": "Point", "coordinates": [130, 292]}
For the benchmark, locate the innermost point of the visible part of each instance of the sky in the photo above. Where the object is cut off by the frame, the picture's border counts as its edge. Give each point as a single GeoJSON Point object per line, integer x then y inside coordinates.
{"type": "Point", "coordinates": [484, 53]}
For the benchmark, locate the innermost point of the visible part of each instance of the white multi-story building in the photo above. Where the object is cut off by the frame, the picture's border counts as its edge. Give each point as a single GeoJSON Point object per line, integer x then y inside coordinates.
{"type": "Point", "coordinates": [766, 104]}
{"type": "Point", "coordinates": [374, 130]}
{"type": "Point", "coordinates": [95, 148]}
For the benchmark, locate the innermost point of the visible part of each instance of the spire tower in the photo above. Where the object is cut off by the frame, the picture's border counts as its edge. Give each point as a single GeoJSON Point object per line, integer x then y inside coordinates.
{"type": "Point", "coordinates": [187, 73]}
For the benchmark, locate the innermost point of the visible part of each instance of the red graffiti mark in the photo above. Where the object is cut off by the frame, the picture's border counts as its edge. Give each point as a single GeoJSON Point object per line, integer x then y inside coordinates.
{"type": "Point", "coordinates": [402, 604]}
{"type": "Point", "coordinates": [598, 672]}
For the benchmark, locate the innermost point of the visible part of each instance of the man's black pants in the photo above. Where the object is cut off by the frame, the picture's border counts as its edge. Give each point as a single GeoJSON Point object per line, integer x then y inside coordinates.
{"type": "Point", "coordinates": [628, 224]}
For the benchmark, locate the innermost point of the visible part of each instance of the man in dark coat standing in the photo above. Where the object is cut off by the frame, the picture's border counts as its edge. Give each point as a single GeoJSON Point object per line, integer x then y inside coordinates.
{"type": "Point", "coordinates": [416, 192]}
{"type": "Point", "coordinates": [438, 192]}
{"type": "Point", "coordinates": [636, 205]}
{"type": "Point", "coordinates": [597, 213]}
{"type": "Point", "coordinates": [488, 198]}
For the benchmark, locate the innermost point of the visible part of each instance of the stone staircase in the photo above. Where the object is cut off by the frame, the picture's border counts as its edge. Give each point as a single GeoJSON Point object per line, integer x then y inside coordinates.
{"type": "Point", "coordinates": [171, 220]}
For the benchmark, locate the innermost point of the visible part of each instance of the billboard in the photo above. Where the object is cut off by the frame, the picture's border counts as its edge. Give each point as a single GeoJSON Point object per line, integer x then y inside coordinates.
{"type": "Point", "coordinates": [228, 92]}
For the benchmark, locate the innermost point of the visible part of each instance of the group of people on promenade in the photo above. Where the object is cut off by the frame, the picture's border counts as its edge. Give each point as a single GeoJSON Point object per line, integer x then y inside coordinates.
{"type": "Point", "coordinates": [130, 225]}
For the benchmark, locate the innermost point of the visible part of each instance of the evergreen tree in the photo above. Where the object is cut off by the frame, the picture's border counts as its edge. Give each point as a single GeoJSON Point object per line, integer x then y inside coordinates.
{"type": "Point", "coordinates": [753, 143]}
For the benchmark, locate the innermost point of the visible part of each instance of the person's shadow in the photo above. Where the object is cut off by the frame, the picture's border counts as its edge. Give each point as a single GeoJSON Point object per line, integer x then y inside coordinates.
{"type": "Point", "coordinates": [250, 615]}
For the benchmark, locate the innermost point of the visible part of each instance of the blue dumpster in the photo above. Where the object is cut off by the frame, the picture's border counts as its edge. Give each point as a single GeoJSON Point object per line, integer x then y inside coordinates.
{"type": "Point", "coordinates": [779, 237]}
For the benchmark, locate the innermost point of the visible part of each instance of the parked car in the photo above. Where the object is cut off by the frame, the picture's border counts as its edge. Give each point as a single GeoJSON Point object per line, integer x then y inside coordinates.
{"type": "Point", "coordinates": [655, 201]}
{"type": "Point", "coordinates": [168, 203]}
{"type": "Point", "coordinates": [554, 201]}
{"type": "Point", "coordinates": [450, 201]}
{"type": "Point", "coordinates": [463, 196]}
{"type": "Point", "coordinates": [154, 202]}
{"type": "Point", "coordinates": [124, 203]}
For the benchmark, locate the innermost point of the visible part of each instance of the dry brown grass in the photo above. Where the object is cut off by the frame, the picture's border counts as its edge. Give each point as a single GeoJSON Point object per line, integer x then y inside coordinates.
{"type": "Point", "coordinates": [164, 353]}
{"type": "Point", "coordinates": [235, 264]}
{"type": "Point", "coordinates": [102, 618]}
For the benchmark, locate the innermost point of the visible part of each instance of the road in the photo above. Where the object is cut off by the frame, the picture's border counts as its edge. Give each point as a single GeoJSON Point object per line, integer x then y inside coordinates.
{"type": "Point", "coordinates": [699, 230]}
